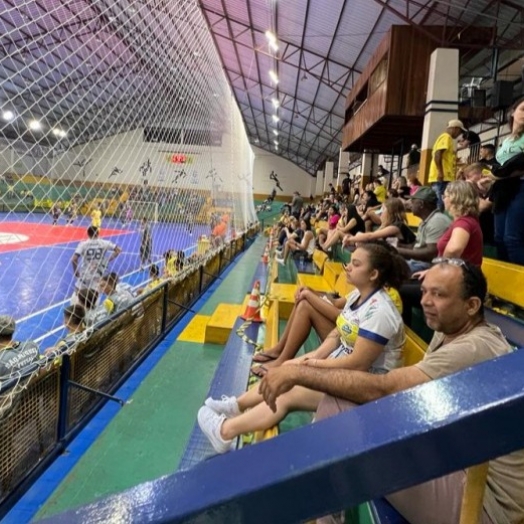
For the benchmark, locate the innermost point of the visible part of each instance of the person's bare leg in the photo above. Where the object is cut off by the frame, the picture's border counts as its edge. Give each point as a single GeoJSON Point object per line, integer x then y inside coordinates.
{"type": "Point", "coordinates": [333, 239]}
{"type": "Point", "coordinates": [309, 318]}
{"type": "Point", "coordinates": [261, 417]}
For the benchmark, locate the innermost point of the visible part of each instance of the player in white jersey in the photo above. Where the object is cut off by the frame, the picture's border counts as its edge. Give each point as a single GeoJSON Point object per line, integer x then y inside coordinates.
{"type": "Point", "coordinates": [93, 253]}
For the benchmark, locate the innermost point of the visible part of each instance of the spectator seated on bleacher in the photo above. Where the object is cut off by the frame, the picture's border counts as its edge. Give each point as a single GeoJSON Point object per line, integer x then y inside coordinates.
{"type": "Point", "coordinates": [116, 298]}
{"type": "Point", "coordinates": [304, 247]}
{"type": "Point", "coordinates": [462, 239]}
{"type": "Point", "coordinates": [420, 253]}
{"type": "Point", "coordinates": [453, 296]}
{"type": "Point", "coordinates": [88, 299]}
{"type": "Point", "coordinates": [367, 204]}
{"type": "Point", "coordinates": [154, 280]}
{"type": "Point", "coordinates": [289, 229]}
{"type": "Point", "coordinates": [480, 177]}
{"type": "Point", "coordinates": [350, 223]}
{"type": "Point", "coordinates": [393, 226]}
{"type": "Point", "coordinates": [332, 219]}
{"type": "Point", "coordinates": [14, 355]}
{"type": "Point", "coordinates": [368, 337]}
{"type": "Point", "coordinates": [310, 311]}
{"type": "Point", "coordinates": [74, 322]}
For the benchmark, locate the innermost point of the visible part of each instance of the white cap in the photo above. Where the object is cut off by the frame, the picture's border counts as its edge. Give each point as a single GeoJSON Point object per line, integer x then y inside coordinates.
{"type": "Point", "coordinates": [457, 123]}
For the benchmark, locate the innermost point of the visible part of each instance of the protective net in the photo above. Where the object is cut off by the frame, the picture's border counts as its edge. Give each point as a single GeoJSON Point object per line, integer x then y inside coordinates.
{"type": "Point", "coordinates": [116, 115]}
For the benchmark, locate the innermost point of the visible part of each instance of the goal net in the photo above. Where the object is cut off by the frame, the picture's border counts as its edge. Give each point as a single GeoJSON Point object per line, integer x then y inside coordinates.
{"type": "Point", "coordinates": [135, 210]}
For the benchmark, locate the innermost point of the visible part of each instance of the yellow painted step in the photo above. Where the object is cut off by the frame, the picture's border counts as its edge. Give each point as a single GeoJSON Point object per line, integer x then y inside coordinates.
{"type": "Point", "coordinates": [222, 321]}
{"type": "Point", "coordinates": [314, 282]}
{"type": "Point", "coordinates": [195, 330]}
{"type": "Point", "coordinates": [285, 294]}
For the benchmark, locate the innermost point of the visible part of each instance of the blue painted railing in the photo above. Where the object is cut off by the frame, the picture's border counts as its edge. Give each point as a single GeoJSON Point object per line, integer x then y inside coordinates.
{"type": "Point", "coordinates": [454, 422]}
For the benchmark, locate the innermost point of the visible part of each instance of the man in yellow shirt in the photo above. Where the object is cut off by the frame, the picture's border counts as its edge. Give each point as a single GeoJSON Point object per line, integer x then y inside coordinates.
{"type": "Point", "coordinates": [443, 162]}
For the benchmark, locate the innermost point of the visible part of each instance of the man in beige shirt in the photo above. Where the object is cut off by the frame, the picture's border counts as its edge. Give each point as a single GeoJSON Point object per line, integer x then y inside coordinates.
{"type": "Point", "coordinates": [452, 299]}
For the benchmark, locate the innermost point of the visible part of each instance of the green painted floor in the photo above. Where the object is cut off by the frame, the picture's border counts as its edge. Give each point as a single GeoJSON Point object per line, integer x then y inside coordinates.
{"type": "Point", "coordinates": [147, 437]}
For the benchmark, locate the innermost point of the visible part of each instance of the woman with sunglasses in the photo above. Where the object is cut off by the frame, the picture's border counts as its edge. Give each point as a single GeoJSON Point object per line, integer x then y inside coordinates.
{"type": "Point", "coordinates": [368, 336]}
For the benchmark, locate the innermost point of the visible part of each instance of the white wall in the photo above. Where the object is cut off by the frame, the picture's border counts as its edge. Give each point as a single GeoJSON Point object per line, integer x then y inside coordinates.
{"type": "Point", "coordinates": [128, 152]}
{"type": "Point", "coordinates": [291, 177]}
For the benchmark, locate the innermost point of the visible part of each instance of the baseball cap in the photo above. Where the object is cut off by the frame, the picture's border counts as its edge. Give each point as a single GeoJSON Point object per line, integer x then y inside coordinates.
{"type": "Point", "coordinates": [425, 193]}
{"type": "Point", "coordinates": [457, 123]}
{"type": "Point", "coordinates": [7, 325]}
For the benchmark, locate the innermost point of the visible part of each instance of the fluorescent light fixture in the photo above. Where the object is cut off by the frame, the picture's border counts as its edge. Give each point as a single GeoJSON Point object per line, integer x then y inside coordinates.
{"type": "Point", "coordinates": [275, 142]}
{"type": "Point", "coordinates": [8, 115]}
{"type": "Point", "coordinates": [273, 46]}
{"type": "Point", "coordinates": [276, 102]}
{"type": "Point", "coordinates": [275, 118]}
{"type": "Point", "coordinates": [273, 77]}
{"type": "Point", "coordinates": [270, 36]}
{"type": "Point", "coordinates": [62, 133]}
{"type": "Point", "coordinates": [56, 131]}
{"type": "Point", "coordinates": [59, 132]}
{"type": "Point", "coordinates": [275, 132]}
{"type": "Point", "coordinates": [35, 125]}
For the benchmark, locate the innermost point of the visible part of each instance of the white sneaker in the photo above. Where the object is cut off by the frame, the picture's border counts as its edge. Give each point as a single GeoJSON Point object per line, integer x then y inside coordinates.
{"type": "Point", "coordinates": [210, 424]}
{"type": "Point", "coordinates": [227, 406]}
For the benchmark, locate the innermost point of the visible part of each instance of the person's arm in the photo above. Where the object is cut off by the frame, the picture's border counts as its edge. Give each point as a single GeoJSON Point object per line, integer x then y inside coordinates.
{"type": "Point", "coordinates": [116, 251]}
{"type": "Point", "coordinates": [305, 241]}
{"type": "Point", "coordinates": [329, 309]}
{"type": "Point", "coordinates": [364, 353]}
{"type": "Point", "coordinates": [425, 254]}
{"type": "Point", "coordinates": [457, 243]}
{"type": "Point", "coordinates": [349, 226]}
{"type": "Point", "coordinates": [437, 157]}
{"type": "Point", "coordinates": [74, 262]}
{"type": "Point", "coordinates": [357, 386]}
{"type": "Point", "coordinates": [388, 231]}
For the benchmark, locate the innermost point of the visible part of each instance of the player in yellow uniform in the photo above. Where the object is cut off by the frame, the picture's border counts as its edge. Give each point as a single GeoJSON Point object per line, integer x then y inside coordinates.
{"type": "Point", "coordinates": [96, 217]}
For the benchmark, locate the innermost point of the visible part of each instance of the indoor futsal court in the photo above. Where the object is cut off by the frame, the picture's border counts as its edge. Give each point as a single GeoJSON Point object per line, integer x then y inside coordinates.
{"type": "Point", "coordinates": [36, 271]}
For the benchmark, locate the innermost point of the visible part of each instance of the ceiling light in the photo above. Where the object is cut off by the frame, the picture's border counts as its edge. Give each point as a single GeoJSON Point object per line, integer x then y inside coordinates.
{"type": "Point", "coordinates": [35, 125]}
{"type": "Point", "coordinates": [132, 10]}
{"type": "Point", "coordinates": [62, 133]}
{"type": "Point", "coordinates": [273, 76]}
{"type": "Point", "coordinates": [8, 115]}
{"type": "Point", "coordinates": [275, 142]}
{"type": "Point", "coordinates": [56, 131]}
{"type": "Point", "coordinates": [270, 36]}
{"type": "Point", "coordinates": [275, 132]}
{"type": "Point", "coordinates": [275, 118]}
{"type": "Point", "coordinates": [273, 46]}
{"type": "Point", "coordinates": [275, 102]}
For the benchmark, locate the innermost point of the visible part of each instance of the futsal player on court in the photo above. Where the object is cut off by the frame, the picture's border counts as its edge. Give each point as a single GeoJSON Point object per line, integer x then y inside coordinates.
{"type": "Point", "coordinates": [93, 254]}
{"type": "Point", "coordinates": [96, 217]}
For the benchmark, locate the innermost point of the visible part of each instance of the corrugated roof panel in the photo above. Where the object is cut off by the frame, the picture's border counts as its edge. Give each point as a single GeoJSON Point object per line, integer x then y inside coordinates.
{"type": "Point", "coordinates": [359, 17]}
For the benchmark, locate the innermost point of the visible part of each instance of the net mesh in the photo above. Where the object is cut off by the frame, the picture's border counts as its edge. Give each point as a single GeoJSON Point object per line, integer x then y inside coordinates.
{"type": "Point", "coordinates": [120, 108]}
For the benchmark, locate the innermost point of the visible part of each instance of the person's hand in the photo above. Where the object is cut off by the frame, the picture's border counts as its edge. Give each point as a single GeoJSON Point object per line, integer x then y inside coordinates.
{"type": "Point", "coordinates": [419, 274]}
{"type": "Point", "coordinates": [301, 293]}
{"type": "Point", "coordinates": [276, 382]}
{"type": "Point", "coordinates": [346, 240]}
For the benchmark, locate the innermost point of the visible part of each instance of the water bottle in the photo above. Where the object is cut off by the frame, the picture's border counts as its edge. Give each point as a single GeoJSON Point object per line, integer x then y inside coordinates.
{"type": "Point", "coordinates": [301, 263]}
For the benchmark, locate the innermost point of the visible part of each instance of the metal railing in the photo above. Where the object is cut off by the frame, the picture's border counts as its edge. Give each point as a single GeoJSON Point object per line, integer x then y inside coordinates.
{"type": "Point", "coordinates": [45, 408]}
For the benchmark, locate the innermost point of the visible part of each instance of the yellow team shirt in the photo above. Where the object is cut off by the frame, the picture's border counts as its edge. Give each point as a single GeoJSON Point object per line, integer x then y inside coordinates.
{"type": "Point", "coordinates": [445, 144]}
{"type": "Point", "coordinates": [381, 193]}
{"type": "Point", "coordinates": [96, 218]}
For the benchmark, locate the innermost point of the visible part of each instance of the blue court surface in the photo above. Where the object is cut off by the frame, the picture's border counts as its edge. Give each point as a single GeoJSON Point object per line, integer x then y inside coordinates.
{"type": "Point", "coordinates": [37, 281]}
